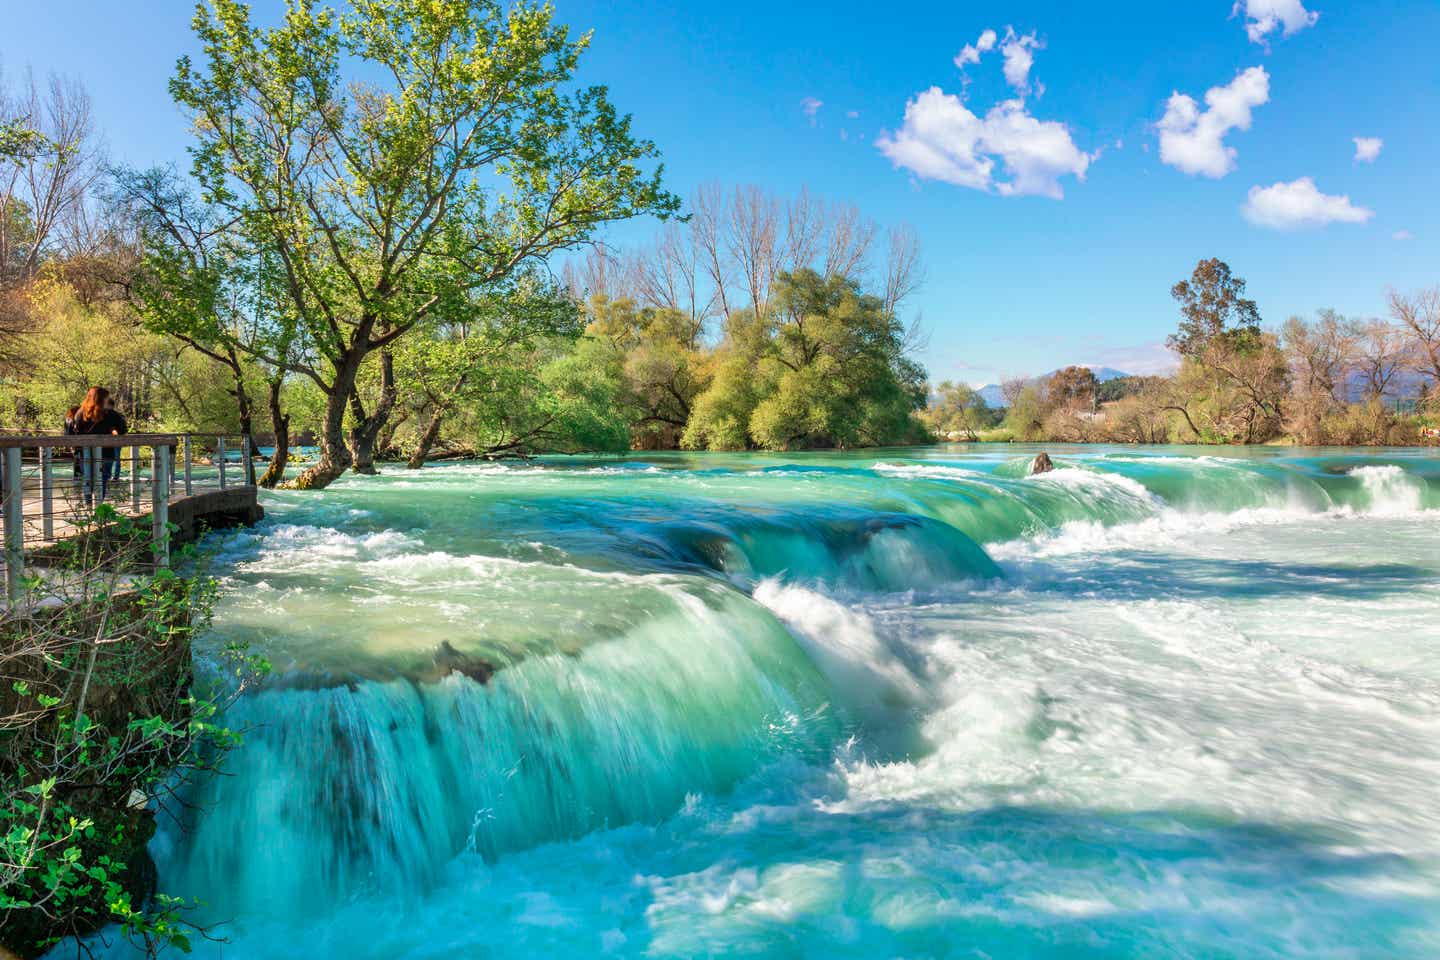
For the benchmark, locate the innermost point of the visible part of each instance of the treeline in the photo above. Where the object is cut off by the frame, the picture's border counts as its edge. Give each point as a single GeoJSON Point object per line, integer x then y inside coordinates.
{"type": "Point", "coordinates": [367, 317]}
{"type": "Point", "coordinates": [1329, 380]}
{"type": "Point", "coordinates": [761, 323]}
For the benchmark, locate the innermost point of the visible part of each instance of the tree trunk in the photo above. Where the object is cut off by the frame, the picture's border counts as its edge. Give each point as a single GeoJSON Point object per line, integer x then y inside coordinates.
{"type": "Point", "coordinates": [334, 454]}
{"type": "Point", "coordinates": [385, 445]}
{"type": "Point", "coordinates": [432, 429]}
{"type": "Point", "coordinates": [427, 439]}
{"type": "Point", "coordinates": [247, 430]}
{"type": "Point", "coordinates": [280, 423]}
{"type": "Point", "coordinates": [367, 428]}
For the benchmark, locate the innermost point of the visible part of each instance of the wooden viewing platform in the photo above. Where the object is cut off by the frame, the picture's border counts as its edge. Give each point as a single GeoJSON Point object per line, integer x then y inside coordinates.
{"type": "Point", "coordinates": [49, 486]}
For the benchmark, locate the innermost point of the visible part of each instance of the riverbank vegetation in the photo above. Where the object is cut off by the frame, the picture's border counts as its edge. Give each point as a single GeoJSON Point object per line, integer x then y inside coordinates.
{"type": "Point", "coordinates": [102, 719]}
{"type": "Point", "coordinates": [1326, 380]}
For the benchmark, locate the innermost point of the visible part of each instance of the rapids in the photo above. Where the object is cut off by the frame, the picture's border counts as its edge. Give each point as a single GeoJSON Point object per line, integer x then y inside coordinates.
{"type": "Point", "coordinates": [912, 703]}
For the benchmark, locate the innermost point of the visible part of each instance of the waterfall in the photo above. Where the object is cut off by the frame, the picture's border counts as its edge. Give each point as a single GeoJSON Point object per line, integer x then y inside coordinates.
{"type": "Point", "coordinates": [684, 706]}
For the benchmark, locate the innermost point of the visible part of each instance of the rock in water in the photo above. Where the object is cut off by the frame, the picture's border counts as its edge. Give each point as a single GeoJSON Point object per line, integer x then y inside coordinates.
{"type": "Point", "coordinates": [1041, 464]}
{"type": "Point", "coordinates": [449, 660]}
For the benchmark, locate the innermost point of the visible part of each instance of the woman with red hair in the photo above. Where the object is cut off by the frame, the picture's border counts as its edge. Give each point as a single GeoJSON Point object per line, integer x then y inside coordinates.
{"type": "Point", "coordinates": [96, 419]}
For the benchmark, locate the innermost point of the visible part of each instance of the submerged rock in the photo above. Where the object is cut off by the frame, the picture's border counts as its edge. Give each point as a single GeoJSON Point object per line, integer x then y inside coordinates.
{"type": "Point", "coordinates": [1041, 464]}
{"type": "Point", "coordinates": [448, 660]}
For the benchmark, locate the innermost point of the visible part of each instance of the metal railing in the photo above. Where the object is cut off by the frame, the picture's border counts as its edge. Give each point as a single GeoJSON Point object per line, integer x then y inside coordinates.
{"type": "Point", "coordinates": [50, 486]}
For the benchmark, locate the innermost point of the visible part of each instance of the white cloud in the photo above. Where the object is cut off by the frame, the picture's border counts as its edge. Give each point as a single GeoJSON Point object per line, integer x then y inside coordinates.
{"type": "Point", "coordinates": [1193, 140]}
{"type": "Point", "coordinates": [1017, 49]}
{"type": "Point", "coordinates": [811, 106]}
{"type": "Point", "coordinates": [970, 53]}
{"type": "Point", "coordinates": [1263, 17]}
{"type": "Point", "coordinates": [1299, 204]}
{"type": "Point", "coordinates": [1019, 58]}
{"type": "Point", "coordinates": [942, 139]}
{"type": "Point", "coordinates": [1402, 235]}
{"type": "Point", "coordinates": [1367, 149]}
{"type": "Point", "coordinates": [853, 114]}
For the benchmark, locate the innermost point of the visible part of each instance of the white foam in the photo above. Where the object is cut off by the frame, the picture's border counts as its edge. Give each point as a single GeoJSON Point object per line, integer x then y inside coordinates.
{"type": "Point", "coordinates": [928, 470]}
{"type": "Point", "coordinates": [843, 642]}
{"type": "Point", "coordinates": [1391, 490]}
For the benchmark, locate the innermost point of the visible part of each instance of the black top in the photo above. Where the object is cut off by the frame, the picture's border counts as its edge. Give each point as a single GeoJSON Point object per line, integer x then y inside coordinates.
{"type": "Point", "coordinates": [110, 422]}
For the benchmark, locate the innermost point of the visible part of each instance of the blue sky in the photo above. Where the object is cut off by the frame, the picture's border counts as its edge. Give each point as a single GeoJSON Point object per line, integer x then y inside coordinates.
{"type": "Point", "coordinates": [1029, 265]}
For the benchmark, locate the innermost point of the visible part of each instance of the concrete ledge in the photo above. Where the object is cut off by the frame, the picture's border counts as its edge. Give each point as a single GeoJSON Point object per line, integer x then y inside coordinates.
{"type": "Point", "coordinates": [214, 510]}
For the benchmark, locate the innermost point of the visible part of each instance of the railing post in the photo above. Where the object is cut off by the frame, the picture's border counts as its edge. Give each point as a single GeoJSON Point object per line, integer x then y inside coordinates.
{"type": "Point", "coordinates": [160, 503]}
{"type": "Point", "coordinates": [47, 494]}
{"type": "Point", "coordinates": [134, 477]}
{"type": "Point", "coordinates": [14, 523]}
{"type": "Point", "coordinates": [220, 459]}
{"type": "Point", "coordinates": [249, 455]}
{"type": "Point", "coordinates": [187, 464]}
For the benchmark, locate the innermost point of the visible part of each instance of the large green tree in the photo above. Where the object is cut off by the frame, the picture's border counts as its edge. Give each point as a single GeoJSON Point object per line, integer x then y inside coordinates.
{"type": "Point", "coordinates": [825, 366]}
{"type": "Point", "coordinates": [396, 157]}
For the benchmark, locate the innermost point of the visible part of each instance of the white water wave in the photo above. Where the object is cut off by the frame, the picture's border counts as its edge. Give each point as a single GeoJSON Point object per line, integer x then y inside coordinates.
{"type": "Point", "coordinates": [844, 643]}
{"type": "Point", "coordinates": [1171, 526]}
{"type": "Point", "coordinates": [929, 471]}
{"type": "Point", "coordinates": [1391, 490]}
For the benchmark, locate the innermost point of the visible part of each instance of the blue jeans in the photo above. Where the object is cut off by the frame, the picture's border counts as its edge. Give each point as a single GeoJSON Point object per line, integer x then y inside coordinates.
{"type": "Point", "coordinates": [95, 471]}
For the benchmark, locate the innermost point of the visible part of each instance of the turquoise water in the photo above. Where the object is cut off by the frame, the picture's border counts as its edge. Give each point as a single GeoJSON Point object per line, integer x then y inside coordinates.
{"type": "Point", "coordinates": [1158, 703]}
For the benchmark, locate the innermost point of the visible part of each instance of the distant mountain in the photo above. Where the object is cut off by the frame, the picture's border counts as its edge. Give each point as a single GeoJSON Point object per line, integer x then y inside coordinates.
{"type": "Point", "coordinates": [994, 398]}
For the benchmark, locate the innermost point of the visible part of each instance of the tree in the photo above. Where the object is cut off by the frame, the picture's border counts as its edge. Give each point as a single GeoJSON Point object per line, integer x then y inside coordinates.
{"type": "Point", "coordinates": [19, 140]}
{"type": "Point", "coordinates": [1419, 314]}
{"type": "Point", "coordinates": [669, 276]}
{"type": "Point", "coordinates": [1118, 388]}
{"type": "Point", "coordinates": [657, 354]}
{"type": "Point", "coordinates": [1026, 414]}
{"type": "Point", "coordinates": [1143, 413]}
{"type": "Point", "coordinates": [958, 412]}
{"type": "Point", "coordinates": [201, 281]}
{"type": "Point", "coordinates": [1380, 354]}
{"type": "Point", "coordinates": [1011, 388]}
{"type": "Point", "coordinates": [1235, 390]}
{"type": "Point", "coordinates": [1072, 389]}
{"type": "Point", "coordinates": [364, 148]}
{"type": "Point", "coordinates": [1320, 355]}
{"type": "Point", "coordinates": [1212, 306]}
{"type": "Point", "coordinates": [551, 396]}
{"type": "Point", "coordinates": [50, 162]}
{"type": "Point", "coordinates": [826, 366]}
{"type": "Point", "coordinates": [458, 361]}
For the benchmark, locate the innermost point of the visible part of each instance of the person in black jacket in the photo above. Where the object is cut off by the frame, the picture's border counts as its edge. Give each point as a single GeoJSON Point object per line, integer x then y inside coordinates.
{"type": "Point", "coordinates": [70, 432]}
{"type": "Point", "coordinates": [94, 419]}
{"type": "Point", "coordinates": [110, 456]}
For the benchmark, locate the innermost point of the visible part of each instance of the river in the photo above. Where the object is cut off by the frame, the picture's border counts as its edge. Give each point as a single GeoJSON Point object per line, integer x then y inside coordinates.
{"type": "Point", "coordinates": [1160, 702]}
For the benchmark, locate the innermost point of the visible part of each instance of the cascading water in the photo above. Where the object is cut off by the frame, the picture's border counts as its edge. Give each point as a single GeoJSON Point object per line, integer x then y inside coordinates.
{"type": "Point", "coordinates": [917, 704]}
